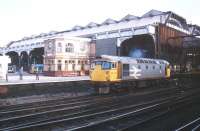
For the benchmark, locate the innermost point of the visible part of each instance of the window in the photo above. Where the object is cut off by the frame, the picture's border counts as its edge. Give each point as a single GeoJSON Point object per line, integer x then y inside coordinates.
{"type": "Point", "coordinates": [98, 62]}
{"type": "Point", "coordinates": [106, 65]}
{"type": "Point", "coordinates": [141, 61]}
{"type": "Point", "coordinates": [153, 67]}
{"type": "Point", "coordinates": [153, 62]}
{"type": "Point", "coordinates": [66, 65]}
{"type": "Point", "coordinates": [113, 65]}
{"type": "Point", "coordinates": [139, 67]}
{"type": "Point", "coordinates": [49, 67]}
{"type": "Point", "coordinates": [147, 67]}
{"type": "Point", "coordinates": [73, 67]}
{"type": "Point", "coordinates": [160, 67]}
{"type": "Point", "coordinates": [49, 45]}
{"type": "Point", "coordinates": [92, 65]}
{"type": "Point", "coordinates": [49, 61]}
{"type": "Point", "coordinates": [59, 65]}
{"type": "Point", "coordinates": [150, 62]}
{"type": "Point", "coordinates": [146, 61]}
{"type": "Point", "coordinates": [59, 48]}
{"type": "Point", "coordinates": [69, 47]}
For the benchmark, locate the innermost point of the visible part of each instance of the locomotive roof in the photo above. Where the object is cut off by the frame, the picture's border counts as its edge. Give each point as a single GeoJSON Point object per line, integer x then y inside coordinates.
{"type": "Point", "coordinates": [133, 60]}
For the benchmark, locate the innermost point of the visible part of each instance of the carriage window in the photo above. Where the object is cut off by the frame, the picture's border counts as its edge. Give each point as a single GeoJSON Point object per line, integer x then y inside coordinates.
{"type": "Point", "coordinates": [153, 67]}
{"type": "Point", "coordinates": [160, 67]}
{"type": "Point", "coordinates": [147, 67]}
{"type": "Point", "coordinates": [139, 67]}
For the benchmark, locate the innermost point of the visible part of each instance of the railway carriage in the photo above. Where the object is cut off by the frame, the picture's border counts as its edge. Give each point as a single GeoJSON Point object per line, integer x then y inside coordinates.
{"type": "Point", "coordinates": [108, 71]}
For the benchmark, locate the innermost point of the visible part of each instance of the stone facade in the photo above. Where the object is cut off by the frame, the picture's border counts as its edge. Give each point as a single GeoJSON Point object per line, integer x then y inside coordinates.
{"type": "Point", "coordinates": [66, 56]}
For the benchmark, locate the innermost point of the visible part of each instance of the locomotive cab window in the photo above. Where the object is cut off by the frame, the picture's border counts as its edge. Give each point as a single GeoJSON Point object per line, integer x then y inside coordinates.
{"type": "Point", "coordinates": [113, 65]}
{"type": "Point", "coordinates": [106, 65]}
{"type": "Point", "coordinates": [98, 63]}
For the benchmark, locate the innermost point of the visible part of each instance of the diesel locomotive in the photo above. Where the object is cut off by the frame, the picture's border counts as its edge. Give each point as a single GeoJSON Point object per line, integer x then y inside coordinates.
{"type": "Point", "coordinates": [112, 72]}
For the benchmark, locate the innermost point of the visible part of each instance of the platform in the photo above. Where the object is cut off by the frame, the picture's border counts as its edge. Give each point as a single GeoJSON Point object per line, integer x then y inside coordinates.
{"type": "Point", "coordinates": [14, 79]}
{"type": "Point", "coordinates": [29, 86]}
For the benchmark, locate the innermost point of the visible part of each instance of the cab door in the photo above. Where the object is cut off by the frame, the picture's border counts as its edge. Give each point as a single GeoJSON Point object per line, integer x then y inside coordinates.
{"type": "Point", "coordinates": [167, 71]}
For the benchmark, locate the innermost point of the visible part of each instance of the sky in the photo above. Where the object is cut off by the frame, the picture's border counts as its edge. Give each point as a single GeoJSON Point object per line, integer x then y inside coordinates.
{"type": "Point", "coordinates": [23, 18]}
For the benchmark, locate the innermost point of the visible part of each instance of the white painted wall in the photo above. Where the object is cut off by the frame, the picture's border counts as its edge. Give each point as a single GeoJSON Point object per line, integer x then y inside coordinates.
{"type": "Point", "coordinates": [4, 60]}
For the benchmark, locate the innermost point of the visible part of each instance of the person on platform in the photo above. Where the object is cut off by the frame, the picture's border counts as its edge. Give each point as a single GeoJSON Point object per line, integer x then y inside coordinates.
{"type": "Point", "coordinates": [21, 73]}
{"type": "Point", "coordinates": [37, 74]}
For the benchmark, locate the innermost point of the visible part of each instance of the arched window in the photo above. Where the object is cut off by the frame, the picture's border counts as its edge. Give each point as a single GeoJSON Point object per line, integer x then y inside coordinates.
{"type": "Point", "coordinates": [59, 65]}
{"type": "Point", "coordinates": [69, 47]}
{"type": "Point", "coordinates": [66, 65]}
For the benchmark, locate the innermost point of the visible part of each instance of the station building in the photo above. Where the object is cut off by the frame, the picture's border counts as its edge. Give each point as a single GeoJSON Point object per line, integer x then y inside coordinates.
{"type": "Point", "coordinates": [67, 56]}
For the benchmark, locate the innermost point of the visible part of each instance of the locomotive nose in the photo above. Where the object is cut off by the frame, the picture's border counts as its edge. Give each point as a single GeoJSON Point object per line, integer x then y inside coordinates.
{"type": "Point", "coordinates": [98, 74]}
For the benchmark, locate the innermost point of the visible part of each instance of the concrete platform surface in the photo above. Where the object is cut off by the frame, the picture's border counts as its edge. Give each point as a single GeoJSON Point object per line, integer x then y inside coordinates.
{"type": "Point", "coordinates": [14, 79]}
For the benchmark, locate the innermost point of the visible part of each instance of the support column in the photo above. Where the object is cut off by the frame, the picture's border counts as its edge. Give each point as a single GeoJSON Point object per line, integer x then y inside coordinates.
{"type": "Point", "coordinates": [118, 47]}
{"type": "Point", "coordinates": [156, 44]}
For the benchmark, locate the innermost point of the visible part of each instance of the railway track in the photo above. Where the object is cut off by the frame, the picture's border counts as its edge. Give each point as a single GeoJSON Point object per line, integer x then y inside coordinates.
{"type": "Point", "coordinates": [191, 126]}
{"type": "Point", "coordinates": [16, 110]}
{"type": "Point", "coordinates": [79, 114]}
{"type": "Point", "coordinates": [80, 118]}
{"type": "Point", "coordinates": [132, 120]}
{"type": "Point", "coordinates": [26, 106]}
{"type": "Point", "coordinates": [162, 112]}
{"type": "Point", "coordinates": [43, 112]}
{"type": "Point", "coordinates": [43, 103]}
